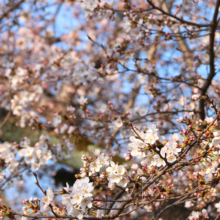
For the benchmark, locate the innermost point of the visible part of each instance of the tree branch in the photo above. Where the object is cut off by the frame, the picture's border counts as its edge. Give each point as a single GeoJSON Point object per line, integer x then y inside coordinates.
{"type": "Point", "coordinates": [212, 73]}
{"type": "Point", "coordinates": [175, 17]}
{"type": "Point", "coordinates": [15, 6]}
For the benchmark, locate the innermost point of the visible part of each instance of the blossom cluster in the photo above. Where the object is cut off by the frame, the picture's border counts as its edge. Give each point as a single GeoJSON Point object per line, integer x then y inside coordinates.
{"type": "Point", "coordinates": [80, 198]}
{"type": "Point", "coordinates": [143, 140]}
{"type": "Point", "coordinates": [15, 156]}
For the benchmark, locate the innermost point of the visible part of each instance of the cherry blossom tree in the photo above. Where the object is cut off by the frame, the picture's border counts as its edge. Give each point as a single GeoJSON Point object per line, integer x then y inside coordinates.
{"type": "Point", "coordinates": [124, 91]}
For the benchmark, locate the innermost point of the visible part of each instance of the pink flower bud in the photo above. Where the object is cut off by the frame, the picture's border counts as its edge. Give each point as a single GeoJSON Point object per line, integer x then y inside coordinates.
{"type": "Point", "coordinates": [191, 114]}
{"type": "Point", "coordinates": [103, 4]}
{"type": "Point", "coordinates": [127, 156]}
{"type": "Point", "coordinates": [191, 138]}
{"type": "Point", "coordinates": [185, 131]}
{"type": "Point", "coordinates": [195, 97]}
{"type": "Point", "coordinates": [134, 166]}
{"type": "Point", "coordinates": [180, 119]}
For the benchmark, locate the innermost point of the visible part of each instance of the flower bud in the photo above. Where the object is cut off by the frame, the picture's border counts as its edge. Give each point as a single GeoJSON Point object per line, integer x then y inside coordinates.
{"type": "Point", "coordinates": [24, 208]}
{"type": "Point", "coordinates": [134, 166]}
{"type": "Point", "coordinates": [185, 131]}
{"type": "Point", "coordinates": [127, 156]}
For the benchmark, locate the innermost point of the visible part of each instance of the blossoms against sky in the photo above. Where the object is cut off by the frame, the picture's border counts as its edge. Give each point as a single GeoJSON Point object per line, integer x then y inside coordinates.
{"type": "Point", "coordinates": [132, 86]}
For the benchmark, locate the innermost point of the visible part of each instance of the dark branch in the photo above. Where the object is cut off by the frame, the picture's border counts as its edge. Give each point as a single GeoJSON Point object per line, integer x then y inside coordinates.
{"type": "Point", "coordinates": [212, 73]}
{"type": "Point", "coordinates": [175, 17]}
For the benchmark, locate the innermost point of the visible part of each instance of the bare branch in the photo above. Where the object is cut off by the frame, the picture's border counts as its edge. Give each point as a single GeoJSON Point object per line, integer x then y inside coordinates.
{"type": "Point", "coordinates": [212, 73]}
{"type": "Point", "coordinates": [177, 18]}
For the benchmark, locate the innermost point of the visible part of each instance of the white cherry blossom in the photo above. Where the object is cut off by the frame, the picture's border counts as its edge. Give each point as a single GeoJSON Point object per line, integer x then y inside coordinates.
{"type": "Point", "coordinates": [47, 200]}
